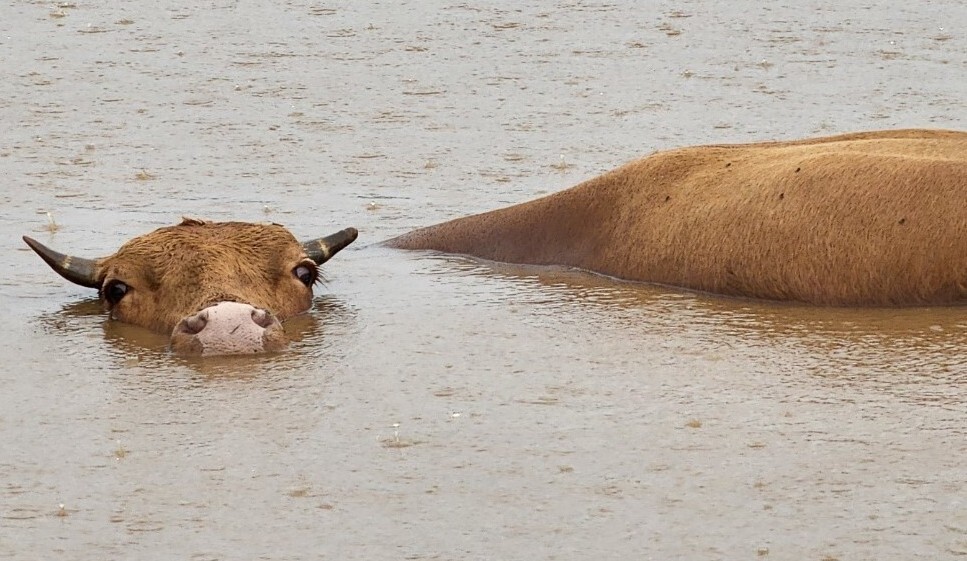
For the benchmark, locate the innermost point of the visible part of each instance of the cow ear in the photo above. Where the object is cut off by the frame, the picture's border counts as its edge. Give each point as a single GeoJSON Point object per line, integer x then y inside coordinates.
{"type": "Point", "coordinates": [322, 249]}
{"type": "Point", "coordinates": [75, 269]}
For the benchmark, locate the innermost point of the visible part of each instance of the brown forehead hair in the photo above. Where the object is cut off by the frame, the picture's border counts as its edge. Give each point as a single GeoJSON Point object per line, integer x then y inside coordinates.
{"type": "Point", "coordinates": [177, 270]}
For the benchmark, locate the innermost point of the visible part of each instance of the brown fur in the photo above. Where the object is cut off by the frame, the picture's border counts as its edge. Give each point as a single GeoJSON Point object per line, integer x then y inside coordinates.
{"type": "Point", "coordinates": [173, 272]}
{"type": "Point", "coordinates": [864, 219]}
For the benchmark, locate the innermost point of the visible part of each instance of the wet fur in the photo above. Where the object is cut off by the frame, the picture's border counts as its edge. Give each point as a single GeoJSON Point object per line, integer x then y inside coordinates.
{"type": "Point", "coordinates": [864, 219]}
{"type": "Point", "coordinates": [175, 271]}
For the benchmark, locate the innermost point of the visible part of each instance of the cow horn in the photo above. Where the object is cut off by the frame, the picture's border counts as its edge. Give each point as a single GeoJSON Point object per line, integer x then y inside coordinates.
{"type": "Point", "coordinates": [75, 269]}
{"type": "Point", "coordinates": [322, 249]}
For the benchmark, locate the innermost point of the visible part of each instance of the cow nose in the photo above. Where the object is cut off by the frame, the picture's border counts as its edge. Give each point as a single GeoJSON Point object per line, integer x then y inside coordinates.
{"type": "Point", "coordinates": [228, 328]}
{"type": "Point", "coordinates": [194, 324]}
{"type": "Point", "coordinates": [263, 318]}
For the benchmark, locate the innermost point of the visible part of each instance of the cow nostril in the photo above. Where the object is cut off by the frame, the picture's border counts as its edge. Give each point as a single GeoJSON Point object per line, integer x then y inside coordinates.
{"type": "Point", "coordinates": [262, 318]}
{"type": "Point", "coordinates": [195, 324]}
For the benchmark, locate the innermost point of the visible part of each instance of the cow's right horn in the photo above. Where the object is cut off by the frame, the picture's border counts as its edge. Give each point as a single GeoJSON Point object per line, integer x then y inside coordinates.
{"type": "Point", "coordinates": [75, 269]}
{"type": "Point", "coordinates": [322, 249]}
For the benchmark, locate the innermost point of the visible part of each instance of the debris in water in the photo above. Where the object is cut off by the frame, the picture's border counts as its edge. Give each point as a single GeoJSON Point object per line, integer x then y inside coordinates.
{"type": "Point", "coordinates": [51, 224]}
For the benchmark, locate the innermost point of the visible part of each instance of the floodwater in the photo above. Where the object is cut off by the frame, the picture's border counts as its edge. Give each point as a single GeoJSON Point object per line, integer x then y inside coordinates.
{"type": "Point", "coordinates": [436, 407]}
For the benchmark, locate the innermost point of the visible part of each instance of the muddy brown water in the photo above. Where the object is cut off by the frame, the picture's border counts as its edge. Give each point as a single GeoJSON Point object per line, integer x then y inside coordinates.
{"type": "Point", "coordinates": [436, 407]}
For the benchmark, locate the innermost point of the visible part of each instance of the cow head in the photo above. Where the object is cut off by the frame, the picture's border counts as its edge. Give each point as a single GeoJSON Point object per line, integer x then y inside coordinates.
{"type": "Point", "coordinates": [216, 287]}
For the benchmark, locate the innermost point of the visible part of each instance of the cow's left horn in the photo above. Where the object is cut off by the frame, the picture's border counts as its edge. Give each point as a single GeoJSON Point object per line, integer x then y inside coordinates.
{"type": "Point", "coordinates": [75, 269]}
{"type": "Point", "coordinates": [322, 249]}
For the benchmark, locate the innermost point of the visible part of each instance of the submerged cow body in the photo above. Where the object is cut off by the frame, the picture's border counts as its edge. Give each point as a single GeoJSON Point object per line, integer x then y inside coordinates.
{"type": "Point", "coordinates": [863, 219]}
{"type": "Point", "coordinates": [216, 287]}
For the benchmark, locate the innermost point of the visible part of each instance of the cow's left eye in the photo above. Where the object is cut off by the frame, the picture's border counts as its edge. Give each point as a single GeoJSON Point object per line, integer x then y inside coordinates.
{"type": "Point", "coordinates": [306, 274]}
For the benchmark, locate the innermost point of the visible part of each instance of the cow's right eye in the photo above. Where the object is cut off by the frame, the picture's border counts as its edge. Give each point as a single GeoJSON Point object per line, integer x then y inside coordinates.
{"type": "Point", "coordinates": [114, 291]}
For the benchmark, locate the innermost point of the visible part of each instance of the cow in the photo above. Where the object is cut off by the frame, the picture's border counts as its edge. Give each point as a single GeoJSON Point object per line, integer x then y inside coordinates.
{"type": "Point", "coordinates": [864, 219]}
{"type": "Point", "coordinates": [216, 287]}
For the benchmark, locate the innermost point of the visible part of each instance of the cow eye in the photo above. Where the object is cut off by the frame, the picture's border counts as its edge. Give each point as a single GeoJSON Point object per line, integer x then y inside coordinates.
{"type": "Point", "coordinates": [113, 291]}
{"type": "Point", "coordinates": [306, 274]}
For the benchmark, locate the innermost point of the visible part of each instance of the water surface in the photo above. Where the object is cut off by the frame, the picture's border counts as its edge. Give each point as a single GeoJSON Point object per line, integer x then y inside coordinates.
{"type": "Point", "coordinates": [437, 407]}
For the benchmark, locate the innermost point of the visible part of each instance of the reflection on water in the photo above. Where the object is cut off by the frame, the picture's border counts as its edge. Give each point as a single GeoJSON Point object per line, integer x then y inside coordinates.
{"type": "Point", "coordinates": [552, 413]}
{"type": "Point", "coordinates": [873, 345]}
{"type": "Point", "coordinates": [891, 349]}
{"type": "Point", "coordinates": [76, 325]}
